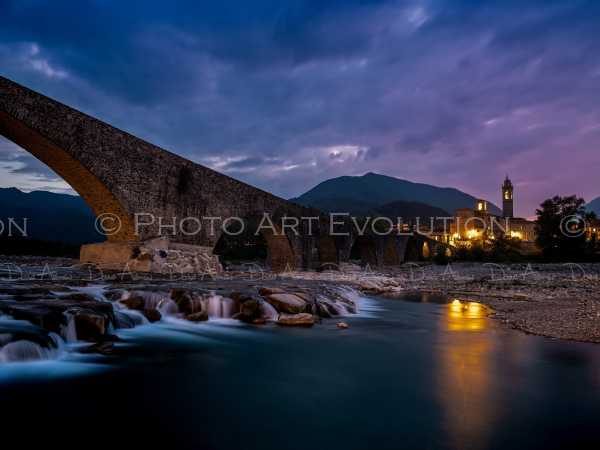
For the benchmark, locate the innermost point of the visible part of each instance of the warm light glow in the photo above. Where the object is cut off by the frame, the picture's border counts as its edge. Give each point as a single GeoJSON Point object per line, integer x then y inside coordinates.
{"type": "Point", "coordinates": [516, 234]}
{"type": "Point", "coordinates": [466, 316]}
{"type": "Point", "coordinates": [472, 234]}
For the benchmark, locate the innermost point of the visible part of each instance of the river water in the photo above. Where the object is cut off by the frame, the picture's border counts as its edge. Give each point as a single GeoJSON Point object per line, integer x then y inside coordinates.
{"type": "Point", "coordinates": [417, 373]}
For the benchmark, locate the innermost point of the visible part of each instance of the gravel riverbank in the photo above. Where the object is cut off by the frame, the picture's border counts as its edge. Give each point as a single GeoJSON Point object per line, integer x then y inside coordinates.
{"type": "Point", "coordinates": [553, 300]}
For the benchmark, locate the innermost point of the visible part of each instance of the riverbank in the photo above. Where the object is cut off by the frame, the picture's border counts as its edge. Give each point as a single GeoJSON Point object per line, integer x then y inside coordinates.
{"type": "Point", "coordinates": [553, 300]}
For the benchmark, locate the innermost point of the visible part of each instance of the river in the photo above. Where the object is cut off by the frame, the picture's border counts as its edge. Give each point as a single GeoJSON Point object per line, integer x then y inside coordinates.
{"type": "Point", "coordinates": [419, 373]}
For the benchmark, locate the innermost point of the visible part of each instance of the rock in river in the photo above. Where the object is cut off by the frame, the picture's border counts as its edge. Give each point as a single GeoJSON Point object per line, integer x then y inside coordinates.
{"type": "Point", "coordinates": [152, 315]}
{"type": "Point", "coordinates": [266, 291]}
{"type": "Point", "coordinates": [90, 326]}
{"type": "Point", "coordinates": [201, 316]}
{"type": "Point", "coordinates": [296, 320]}
{"type": "Point", "coordinates": [287, 303]}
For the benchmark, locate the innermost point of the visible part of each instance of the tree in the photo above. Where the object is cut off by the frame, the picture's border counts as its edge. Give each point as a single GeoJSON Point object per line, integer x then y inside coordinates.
{"type": "Point", "coordinates": [560, 228]}
{"type": "Point", "coordinates": [505, 249]}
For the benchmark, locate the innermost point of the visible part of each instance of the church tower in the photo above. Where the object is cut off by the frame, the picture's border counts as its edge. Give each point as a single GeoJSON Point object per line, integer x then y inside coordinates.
{"type": "Point", "coordinates": [507, 198]}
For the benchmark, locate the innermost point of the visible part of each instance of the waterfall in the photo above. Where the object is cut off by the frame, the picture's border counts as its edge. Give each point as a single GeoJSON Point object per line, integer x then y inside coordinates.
{"type": "Point", "coordinates": [128, 318]}
{"type": "Point", "coordinates": [135, 316]}
{"type": "Point", "coordinates": [213, 306]}
{"type": "Point", "coordinates": [167, 307]}
{"type": "Point", "coordinates": [24, 350]}
{"type": "Point", "coordinates": [268, 312]}
{"type": "Point", "coordinates": [21, 351]}
{"type": "Point", "coordinates": [227, 306]}
{"type": "Point", "coordinates": [151, 299]}
{"type": "Point", "coordinates": [219, 307]}
{"type": "Point", "coordinates": [95, 291]}
{"type": "Point", "coordinates": [68, 331]}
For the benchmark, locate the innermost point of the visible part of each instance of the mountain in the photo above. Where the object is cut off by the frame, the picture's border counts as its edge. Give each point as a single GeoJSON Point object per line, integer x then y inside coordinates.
{"type": "Point", "coordinates": [594, 205]}
{"type": "Point", "coordinates": [50, 216]}
{"type": "Point", "coordinates": [376, 190]}
{"type": "Point", "coordinates": [408, 210]}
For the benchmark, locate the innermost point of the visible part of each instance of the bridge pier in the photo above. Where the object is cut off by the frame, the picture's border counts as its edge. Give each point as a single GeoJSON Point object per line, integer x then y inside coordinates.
{"type": "Point", "coordinates": [152, 256]}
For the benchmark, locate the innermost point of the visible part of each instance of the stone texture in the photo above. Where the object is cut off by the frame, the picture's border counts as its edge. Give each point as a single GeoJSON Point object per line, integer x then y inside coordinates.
{"type": "Point", "coordinates": [296, 320]}
{"type": "Point", "coordinates": [287, 303]}
{"type": "Point", "coordinates": [119, 174]}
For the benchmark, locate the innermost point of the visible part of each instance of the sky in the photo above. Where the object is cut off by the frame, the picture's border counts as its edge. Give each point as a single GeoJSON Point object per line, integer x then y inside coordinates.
{"type": "Point", "coordinates": [284, 94]}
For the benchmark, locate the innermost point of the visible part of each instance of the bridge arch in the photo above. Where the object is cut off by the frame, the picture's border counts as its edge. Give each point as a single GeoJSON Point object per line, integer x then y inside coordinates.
{"type": "Point", "coordinates": [364, 248]}
{"type": "Point", "coordinates": [92, 190]}
{"type": "Point", "coordinates": [273, 245]}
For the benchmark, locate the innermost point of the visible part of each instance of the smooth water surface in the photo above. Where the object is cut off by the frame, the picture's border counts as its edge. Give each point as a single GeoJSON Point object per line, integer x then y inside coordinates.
{"type": "Point", "coordinates": [418, 373]}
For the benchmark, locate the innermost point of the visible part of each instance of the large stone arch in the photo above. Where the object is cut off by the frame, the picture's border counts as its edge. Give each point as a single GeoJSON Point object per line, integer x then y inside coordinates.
{"type": "Point", "coordinates": [281, 254]}
{"type": "Point", "coordinates": [365, 246]}
{"type": "Point", "coordinates": [327, 250]}
{"type": "Point", "coordinates": [391, 254]}
{"type": "Point", "coordinates": [119, 174]}
{"type": "Point", "coordinates": [92, 190]}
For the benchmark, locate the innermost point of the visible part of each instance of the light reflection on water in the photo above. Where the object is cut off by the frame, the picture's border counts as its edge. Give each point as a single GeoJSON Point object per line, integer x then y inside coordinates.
{"type": "Point", "coordinates": [465, 374]}
{"type": "Point", "coordinates": [467, 316]}
{"type": "Point", "coordinates": [418, 373]}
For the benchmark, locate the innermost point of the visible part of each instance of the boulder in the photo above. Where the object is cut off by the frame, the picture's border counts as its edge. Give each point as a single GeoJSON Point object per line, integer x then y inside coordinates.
{"type": "Point", "coordinates": [134, 302]}
{"type": "Point", "coordinates": [239, 297]}
{"type": "Point", "coordinates": [266, 291]}
{"type": "Point", "coordinates": [183, 300]}
{"type": "Point", "coordinates": [287, 303]}
{"type": "Point", "coordinates": [201, 316]}
{"type": "Point", "coordinates": [249, 311]}
{"type": "Point", "coordinates": [296, 320]}
{"type": "Point", "coordinates": [322, 311]}
{"type": "Point", "coordinates": [152, 315]}
{"type": "Point", "coordinates": [89, 326]}
{"type": "Point", "coordinates": [102, 348]}
{"type": "Point", "coordinates": [304, 296]}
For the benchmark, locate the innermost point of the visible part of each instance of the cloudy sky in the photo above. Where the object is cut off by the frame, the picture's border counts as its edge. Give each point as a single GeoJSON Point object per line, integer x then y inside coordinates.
{"type": "Point", "coordinates": [284, 94]}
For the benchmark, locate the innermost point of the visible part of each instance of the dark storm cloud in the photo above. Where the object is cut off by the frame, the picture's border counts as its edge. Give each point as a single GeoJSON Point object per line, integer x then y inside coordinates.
{"type": "Point", "coordinates": [286, 94]}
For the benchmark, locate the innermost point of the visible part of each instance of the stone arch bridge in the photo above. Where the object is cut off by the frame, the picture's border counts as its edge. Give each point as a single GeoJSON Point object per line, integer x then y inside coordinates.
{"type": "Point", "coordinates": [141, 190]}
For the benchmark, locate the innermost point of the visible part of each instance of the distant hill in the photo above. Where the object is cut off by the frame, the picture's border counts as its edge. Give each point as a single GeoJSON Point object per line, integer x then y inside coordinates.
{"type": "Point", "coordinates": [51, 217]}
{"type": "Point", "coordinates": [377, 190]}
{"type": "Point", "coordinates": [594, 205]}
{"type": "Point", "coordinates": [408, 210]}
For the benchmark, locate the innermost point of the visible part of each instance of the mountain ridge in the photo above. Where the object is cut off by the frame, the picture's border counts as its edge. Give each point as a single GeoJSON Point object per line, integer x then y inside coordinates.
{"type": "Point", "coordinates": [378, 190]}
{"type": "Point", "coordinates": [594, 206]}
{"type": "Point", "coordinates": [50, 216]}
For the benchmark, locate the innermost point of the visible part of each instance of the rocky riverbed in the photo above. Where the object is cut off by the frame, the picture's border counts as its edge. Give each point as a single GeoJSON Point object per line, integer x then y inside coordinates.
{"type": "Point", "coordinates": [47, 302]}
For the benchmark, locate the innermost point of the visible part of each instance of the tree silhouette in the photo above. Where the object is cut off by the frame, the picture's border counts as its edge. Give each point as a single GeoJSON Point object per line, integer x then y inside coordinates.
{"type": "Point", "coordinates": [560, 228]}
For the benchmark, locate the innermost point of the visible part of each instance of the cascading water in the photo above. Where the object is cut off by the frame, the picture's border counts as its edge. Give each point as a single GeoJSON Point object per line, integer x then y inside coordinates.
{"type": "Point", "coordinates": [167, 307]}
{"type": "Point", "coordinates": [21, 351]}
{"type": "Point", "coordinates": [219, 307]}
{"type": "Point", "coordinates": [68, 331]}
{"type": "Point", "coordinates": [268, 311]}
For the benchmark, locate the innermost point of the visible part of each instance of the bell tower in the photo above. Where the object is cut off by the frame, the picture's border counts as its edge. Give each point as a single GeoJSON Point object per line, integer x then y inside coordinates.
{"type": "Point", "coordinates": [507, 198]}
